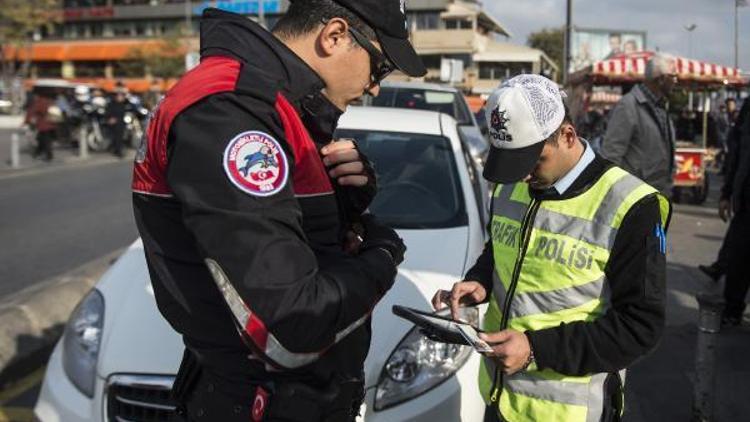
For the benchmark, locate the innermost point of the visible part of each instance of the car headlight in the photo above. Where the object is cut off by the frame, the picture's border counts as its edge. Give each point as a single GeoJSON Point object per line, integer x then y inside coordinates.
{"type": "Point", "coordinates": [419, 364]}
{"type": "Point", "coordinates": [81, 342]}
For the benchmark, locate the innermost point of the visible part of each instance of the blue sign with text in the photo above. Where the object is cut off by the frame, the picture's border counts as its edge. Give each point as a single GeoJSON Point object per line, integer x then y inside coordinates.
{"type": "Point", "coordinates": [246, 7]}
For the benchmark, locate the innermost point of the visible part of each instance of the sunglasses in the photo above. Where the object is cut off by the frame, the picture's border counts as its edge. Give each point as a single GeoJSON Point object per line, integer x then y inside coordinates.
{"type": "Point", "coordinates": [380, 66]}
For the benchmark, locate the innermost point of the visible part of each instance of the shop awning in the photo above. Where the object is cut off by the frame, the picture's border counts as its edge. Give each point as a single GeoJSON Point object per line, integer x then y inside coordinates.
{"type": "Point", "coordinates": [107, 50]}
{"type": "Point", "coordinates": [632, 67]}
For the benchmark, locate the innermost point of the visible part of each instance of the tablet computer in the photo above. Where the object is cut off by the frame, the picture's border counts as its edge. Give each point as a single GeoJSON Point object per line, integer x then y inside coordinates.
{"type": "Point", "coordinates": [443, 329]}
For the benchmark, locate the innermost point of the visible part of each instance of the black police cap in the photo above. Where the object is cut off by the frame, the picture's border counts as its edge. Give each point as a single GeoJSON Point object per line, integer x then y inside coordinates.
{"type": "Point", "coordinates": [388, 19]}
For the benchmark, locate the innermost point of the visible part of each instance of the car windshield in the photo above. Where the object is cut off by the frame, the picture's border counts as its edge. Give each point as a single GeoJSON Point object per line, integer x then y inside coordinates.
{"type": "Point", "coordinates": [423, 99]}
{"type": "Point", "coordinates": [418, 184]}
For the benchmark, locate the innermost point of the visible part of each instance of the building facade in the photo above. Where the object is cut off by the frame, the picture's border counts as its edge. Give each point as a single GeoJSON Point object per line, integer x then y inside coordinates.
{"type": "Point", "coordinates": [97, 40]}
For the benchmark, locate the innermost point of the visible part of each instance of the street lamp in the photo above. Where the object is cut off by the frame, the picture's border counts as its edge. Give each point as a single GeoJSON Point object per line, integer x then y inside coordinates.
{"type": "Point", "coordinates": [690, 28]}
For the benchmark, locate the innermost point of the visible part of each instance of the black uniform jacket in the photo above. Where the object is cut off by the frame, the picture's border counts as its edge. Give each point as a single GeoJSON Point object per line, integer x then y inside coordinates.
{"type": "Point", "coordinates": [241, 225]}
{"type": "Point", "coordinates": [636, 273]}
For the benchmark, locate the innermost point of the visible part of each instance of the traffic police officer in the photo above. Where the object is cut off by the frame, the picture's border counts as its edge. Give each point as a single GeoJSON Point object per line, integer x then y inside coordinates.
{"type": "Point", "coordinates": [248, 212]}
{"type": "Point", "coordinates": [575, 269]}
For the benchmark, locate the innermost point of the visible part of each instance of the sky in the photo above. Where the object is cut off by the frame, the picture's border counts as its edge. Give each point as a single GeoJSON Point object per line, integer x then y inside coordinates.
{"type": "Point", "coordinates": [663, 20]}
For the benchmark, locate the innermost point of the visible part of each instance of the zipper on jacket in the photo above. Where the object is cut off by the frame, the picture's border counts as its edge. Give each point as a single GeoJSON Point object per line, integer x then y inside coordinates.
{"type": "Point", "coordinates": [525, 236]}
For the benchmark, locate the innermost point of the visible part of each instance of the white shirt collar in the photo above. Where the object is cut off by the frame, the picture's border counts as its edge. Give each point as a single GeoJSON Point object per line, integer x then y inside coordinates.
{"type": "Point", "coordinates": [564, 183]}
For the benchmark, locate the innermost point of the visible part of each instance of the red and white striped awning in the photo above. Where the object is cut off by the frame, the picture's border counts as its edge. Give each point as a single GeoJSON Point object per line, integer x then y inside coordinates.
{"type": "Point", "coordinates": [632, 67]}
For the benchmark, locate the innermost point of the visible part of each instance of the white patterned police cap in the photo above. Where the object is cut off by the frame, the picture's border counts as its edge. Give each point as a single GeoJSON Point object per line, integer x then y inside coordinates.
{"type": "Point", "coordinates": [521, 114]}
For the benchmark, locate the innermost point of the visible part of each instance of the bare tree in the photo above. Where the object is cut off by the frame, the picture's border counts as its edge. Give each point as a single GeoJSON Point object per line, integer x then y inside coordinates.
{"type": "Point", "coordinates": [19, 19]}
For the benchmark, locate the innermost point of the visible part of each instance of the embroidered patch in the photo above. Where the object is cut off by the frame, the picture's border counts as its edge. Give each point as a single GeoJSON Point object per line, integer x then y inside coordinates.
{"type": "Point", "coordinates": [255, 163]}
{"type": "Point", "coordinates": [498, 124]}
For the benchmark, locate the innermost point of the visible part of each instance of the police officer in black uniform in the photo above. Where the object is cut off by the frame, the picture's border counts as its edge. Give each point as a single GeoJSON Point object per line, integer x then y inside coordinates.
{"type": "Point", "coordinates": [253, 222]}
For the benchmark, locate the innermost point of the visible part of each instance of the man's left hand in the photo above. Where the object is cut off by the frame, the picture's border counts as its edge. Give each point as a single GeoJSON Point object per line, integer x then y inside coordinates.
{"type": "Point", "coordinates": [510, 349]}
{"type": "Point", "coordinates": [344, 163]}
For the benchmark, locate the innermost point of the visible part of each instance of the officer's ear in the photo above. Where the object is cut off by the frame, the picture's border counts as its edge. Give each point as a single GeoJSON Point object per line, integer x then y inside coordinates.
{"type": "Point", "coordinates": [568, 135]}
{"type": "Point", "coordinates": [333, 37]}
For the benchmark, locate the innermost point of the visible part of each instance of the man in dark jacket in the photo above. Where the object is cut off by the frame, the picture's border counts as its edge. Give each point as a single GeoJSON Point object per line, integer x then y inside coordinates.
{"type": "Point", "coordinates": [640, 133]}
{"type": "Point", "coordinates": [115, 117]}
{"type": "Point", "coordinates": [249, 214]}
{"type": "Point", "coordinates": [735, 205]}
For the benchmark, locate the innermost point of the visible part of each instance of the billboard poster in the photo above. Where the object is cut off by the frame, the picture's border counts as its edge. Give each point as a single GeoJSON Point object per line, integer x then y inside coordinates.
{"type": "Point", "coordinates": [591, 45]}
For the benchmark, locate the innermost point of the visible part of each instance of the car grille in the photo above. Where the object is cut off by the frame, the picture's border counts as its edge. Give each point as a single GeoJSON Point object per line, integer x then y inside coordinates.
{"type": "Point", "coordinates": [139, 398]}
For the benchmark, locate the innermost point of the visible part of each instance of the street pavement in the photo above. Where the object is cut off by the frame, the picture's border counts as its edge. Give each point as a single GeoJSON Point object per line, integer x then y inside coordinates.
{"type": "Point", "coordinates": [55, 218]}
{"type": "Point", "coordinates": [660, 386]}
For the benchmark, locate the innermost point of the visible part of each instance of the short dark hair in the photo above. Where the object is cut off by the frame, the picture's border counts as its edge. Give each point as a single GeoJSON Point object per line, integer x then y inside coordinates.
{"type": "Point", "coordinates": [552, 139]}
{"type": "Point", "coordinates": [304, 16]}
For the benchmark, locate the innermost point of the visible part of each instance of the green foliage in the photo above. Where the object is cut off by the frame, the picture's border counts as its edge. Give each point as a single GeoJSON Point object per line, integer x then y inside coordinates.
{"type": "Point", "coordinates": [551, 41]}
{"type": "Point", "coordinates": [164, 60]}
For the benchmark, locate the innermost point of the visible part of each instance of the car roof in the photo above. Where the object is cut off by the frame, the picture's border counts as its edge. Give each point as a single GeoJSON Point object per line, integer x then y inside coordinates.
{"type": "Point", "coordinates": [418, 85]}
{"type": "Point", "coordinates": [389, 119]}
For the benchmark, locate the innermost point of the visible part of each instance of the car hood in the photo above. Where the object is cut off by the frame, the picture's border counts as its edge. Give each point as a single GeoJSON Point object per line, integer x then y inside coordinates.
{"type": "Point", "coordinates": [137, 339]}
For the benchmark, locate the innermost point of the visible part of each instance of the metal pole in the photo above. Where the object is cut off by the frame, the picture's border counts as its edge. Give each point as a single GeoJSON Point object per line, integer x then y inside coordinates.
{"type": "Point", "coordinates": [83, 146]}
{"type": "Point", "coordinates": [566, 46]}
{"type": "Point", "coordinates": [189, 17]}
{"type": "Point", "coordinates": [736, 34]}
{"type": "Point", "coordinates": [261, 14]}
{"type": "Point", "coordinates": [15, 150]}
{"type": "Point", "coordinates": [709, 325]}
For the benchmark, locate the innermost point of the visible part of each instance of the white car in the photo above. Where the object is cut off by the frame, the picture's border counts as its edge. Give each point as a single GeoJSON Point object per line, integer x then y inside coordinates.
{"type": "Point", "coordinates": [117, 359]}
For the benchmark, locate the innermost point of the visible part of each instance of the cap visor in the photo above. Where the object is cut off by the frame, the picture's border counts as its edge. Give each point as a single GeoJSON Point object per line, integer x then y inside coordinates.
{"type": "Point", "coordinates": [402, 54]}
{"type": "Point", "coordinates": [511, 165]}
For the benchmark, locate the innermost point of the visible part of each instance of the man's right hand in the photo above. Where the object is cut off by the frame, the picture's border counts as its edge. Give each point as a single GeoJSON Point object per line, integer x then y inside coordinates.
{"type": "Point", "coordinates": [725, 210]}
{"type": "Point", "coordinates": [463, 293]}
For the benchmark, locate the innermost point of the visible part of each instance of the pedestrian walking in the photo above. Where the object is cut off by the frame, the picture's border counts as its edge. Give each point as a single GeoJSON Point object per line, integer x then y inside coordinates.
{"type": "Point", "coordinates": [640, 134]}
{"type": "Point", "coordinates": [38, 116]}
{"type": "Point", "coordinates": [115, 117]}
{"type": "Point", "coordinates": [252, 219]}
{"type": "Point", "coordinates": [718, 268]}
{"type": "Point", "coordinates": [735, 205]}
{"type": "Point", "coordinates": [574, 271]}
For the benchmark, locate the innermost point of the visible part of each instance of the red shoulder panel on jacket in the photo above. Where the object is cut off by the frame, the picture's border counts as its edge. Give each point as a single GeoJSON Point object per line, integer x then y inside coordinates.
{"type": "Point", "coordinates": [213, 75]}
{"type": "Point", "coordinates": [310, 177]}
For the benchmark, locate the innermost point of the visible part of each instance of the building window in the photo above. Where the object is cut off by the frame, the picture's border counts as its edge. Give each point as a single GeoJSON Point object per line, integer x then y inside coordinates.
{"type": "Point", "coordinates": [458, 24]}
{"type": "Point", "coordinates": [424, 20]}
{"type": "Point", "coordinates": [48, 69]}
{"type": "Point", "coordinates": [90, 69]}
{"type": "Point", "coordinates": [501, 71]}
{"type": "Point", "coordinates": [128, 69]}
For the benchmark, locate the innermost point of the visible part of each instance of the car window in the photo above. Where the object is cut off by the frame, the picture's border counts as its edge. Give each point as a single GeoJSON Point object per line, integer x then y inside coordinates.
{"type": "Point", "coordinates": [418, 184]}
{"type": "Point", "coordinates": [423, 99]}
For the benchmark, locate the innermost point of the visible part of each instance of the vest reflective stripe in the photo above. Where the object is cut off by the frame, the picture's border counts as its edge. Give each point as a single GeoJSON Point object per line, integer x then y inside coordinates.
{"type": "Point", "coordinates": [561, 280]}
{"type": "Point", "coordinates": [578, 399]}
{"type": "Point", "coordinates": [525, 304]}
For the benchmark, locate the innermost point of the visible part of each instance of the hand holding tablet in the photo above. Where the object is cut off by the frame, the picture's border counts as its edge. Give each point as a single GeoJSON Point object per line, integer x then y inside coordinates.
{"type": "Point", "coordinates": [444, 329]}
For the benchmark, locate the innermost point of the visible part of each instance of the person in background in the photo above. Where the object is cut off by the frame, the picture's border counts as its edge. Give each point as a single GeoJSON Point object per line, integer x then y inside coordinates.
{"type": "Point", "coordinates": [640, 134]}
{"type": "Point", "coordinates": [734, 205]}
{"type": "Point", "coordinates": [38, 117]}
{"type": "Point", "coordinates": [115, 118]}
{"type": "Point", "coordinates": [728, 117]}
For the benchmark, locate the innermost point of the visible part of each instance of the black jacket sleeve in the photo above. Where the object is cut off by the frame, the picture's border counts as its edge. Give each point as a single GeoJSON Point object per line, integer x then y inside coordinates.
{"type": "Point", "coordinates": [734, 146]}
{"type": "Point", "coordinates": [482, 269]}
{"type": "Point", "coordinates": [635, 321]}
{"type": "Point", "coordinates": [258, 242]}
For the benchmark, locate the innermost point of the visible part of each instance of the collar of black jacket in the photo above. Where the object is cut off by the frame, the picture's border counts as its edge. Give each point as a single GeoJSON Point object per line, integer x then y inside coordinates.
{"type": "Point", "coordinates": [585, 180]}
{"type": "Point", "coordinates": [229, 34]}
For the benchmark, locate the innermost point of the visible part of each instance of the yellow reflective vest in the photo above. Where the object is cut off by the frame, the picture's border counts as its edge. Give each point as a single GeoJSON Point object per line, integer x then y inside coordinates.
{"type": "Point", "coordinates": [549, 261]}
